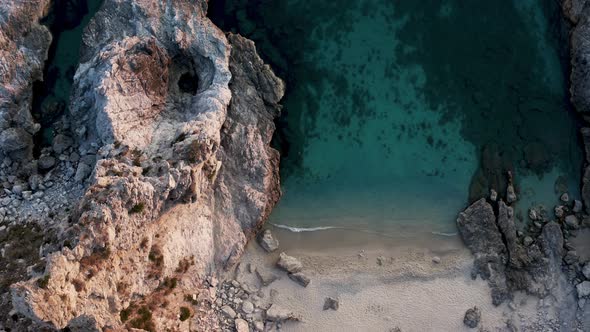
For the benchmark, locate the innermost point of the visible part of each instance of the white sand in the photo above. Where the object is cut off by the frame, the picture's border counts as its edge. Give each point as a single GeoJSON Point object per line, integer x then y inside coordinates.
{"type": "Point", "coordinates": [408, 291]}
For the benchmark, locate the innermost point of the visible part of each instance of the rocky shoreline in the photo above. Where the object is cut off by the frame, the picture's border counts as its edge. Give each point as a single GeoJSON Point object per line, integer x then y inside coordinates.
{"type": "Point", "coordinates": [161, 172]}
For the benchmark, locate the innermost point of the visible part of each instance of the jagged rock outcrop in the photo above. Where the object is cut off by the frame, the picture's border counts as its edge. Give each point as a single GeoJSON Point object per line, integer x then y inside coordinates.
{"type": "Point", "coordinates": [578, 13]}
{"type": "Point", "coordinates": [502, 260]}
{"type": "Point", "coordinates": [182, 177]}
{"type": "Point", "coordinates": [24, 43]}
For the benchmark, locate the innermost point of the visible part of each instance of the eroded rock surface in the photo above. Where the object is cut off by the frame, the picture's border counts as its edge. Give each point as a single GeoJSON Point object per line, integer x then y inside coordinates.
{"type": "Point", "coordinates": [180, 180]}
{"type": "Point", "coordinates": [24, 43]}
{"type": "Point", "coordinates": [502, 259]}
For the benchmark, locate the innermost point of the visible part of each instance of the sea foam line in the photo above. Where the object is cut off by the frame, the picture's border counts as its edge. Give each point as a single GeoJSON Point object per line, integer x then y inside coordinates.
{"type": "Point", "coordinates": [368, 231]}
{"type": "Point", "coordinates": [303, 229]}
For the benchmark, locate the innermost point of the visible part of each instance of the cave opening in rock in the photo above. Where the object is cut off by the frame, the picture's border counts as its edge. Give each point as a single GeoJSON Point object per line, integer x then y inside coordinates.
{"type": "Point", "coordinates": [66, 22]}
{"type": "Point", "coordinates": [188, 83]}
{"type": "Point", "coordinates": [396, 115]}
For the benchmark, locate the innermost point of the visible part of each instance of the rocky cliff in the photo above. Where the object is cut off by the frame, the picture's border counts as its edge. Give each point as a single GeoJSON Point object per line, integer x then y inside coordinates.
{"type": "Point", "coordinates": [169, 127]}
{"type": "Point", "coordinates": [537, 256]}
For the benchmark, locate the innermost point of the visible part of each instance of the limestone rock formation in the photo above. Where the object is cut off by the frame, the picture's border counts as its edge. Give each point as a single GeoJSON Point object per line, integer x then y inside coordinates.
{"type": "Point", "coordinates": [502, 260]}
{"type": "Point", "coordinates": [24, 44]}
{"type": "Point", "coordinates": [182, 178]}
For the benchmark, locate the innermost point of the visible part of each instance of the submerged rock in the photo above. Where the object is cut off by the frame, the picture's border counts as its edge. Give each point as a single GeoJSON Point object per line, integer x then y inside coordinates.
{"type": "Point", "coordinates": [510, 194]}
{"type": "Point", "coordinates": [472, 317]}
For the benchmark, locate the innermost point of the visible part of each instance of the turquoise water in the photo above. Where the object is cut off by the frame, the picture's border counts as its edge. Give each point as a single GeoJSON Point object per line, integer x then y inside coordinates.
{"type": "Point", "coordinates": [66, 21]}
{"type": "Point", "coordinates": [399, 113]}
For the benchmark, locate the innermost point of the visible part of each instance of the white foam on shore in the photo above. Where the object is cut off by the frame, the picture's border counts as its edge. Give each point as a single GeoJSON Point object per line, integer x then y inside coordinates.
{"type": "Point", "coordinates": [304, 229]}
{"type": "Point", "coordinates": [446, 234]}
{"type": "Point", "coordinates": [294, 229]}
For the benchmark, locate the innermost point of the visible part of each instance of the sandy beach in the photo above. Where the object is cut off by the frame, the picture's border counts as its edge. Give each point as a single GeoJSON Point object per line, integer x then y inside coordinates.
{"type": "Point", "coordinates": [421, 284]}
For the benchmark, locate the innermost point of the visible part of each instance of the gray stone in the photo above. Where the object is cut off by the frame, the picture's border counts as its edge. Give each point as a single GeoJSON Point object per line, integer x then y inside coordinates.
{"type": "Point", "coordinates": [583, 289]}
{"type": "Point", "coordinates": [380, 260]}
{"type": "Point", "coordinates": [241, 325]}
{"type": "Point", "coordinates": [247, 307]}
{"type": "Point", "coordinates": [533, 215]}
{"type": "Point", "coordinates": [35, 181]}
{"type": "Point", "coordinates": [82, 172]}
{"type": "Point", "coordinates": [61, 143]}
{"type": "Point", "coordinates": [300, 278]}
{"type": "Point", "coordinates": [472, 317]}
{"type": "Point", "coordinates": [493, 195]}
{"type": "Point", "coordinates": [510, 194]}
{"type": "Point", "coordinates": [289, 263]}
{"type": "Point", "coordinates": [586, 270]}
{"type": "Point", "coordinates": [564, 197]}
{"type": "Point", "coordinates": [571, 257]}
{"type": "Point", "coordinates": [266, 277]}
{"type": "Point", "coordinates": [577, 206]}
{"type": "Point", "coordinates": [267, 241]}
{"type": "Point", "coordinates": [572, 221]}
{"type": "Point", "coordinates": [258, 326]}
{"type": "Point", "coordinates": [559, 211]}
{"type": "Point", "coordinates": [46, 163]}
{"type": "Point", "coordinates": [436, 260]}
{"type": "Point", "coordinates": [331, 303]}
{"type": "Point", "coordinates": [228, 311]}
{"type": "Point", "coordinates": [277, 314]}
{"type": "Point", "coordinates": [15, 139]}
{"type": "Point", "coordinates": [17, 189]}
{"type": "Point", "coordinates": [527, 241]}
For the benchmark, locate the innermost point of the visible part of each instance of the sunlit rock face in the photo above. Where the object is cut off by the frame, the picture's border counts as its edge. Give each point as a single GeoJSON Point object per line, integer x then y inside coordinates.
{"type": "Point", "coordinates": [182, 178]}
{"type": "Point", "coordinates": [24, 44]}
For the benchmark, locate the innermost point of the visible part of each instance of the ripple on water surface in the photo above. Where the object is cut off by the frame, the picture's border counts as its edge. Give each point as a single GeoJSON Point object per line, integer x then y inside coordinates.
{"type": "Point", "coordinates": [399, 113]}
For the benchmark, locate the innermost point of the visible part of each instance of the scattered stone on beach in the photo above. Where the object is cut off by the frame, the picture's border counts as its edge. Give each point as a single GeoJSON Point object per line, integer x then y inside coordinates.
{"type": "Point", "coordinates": [583, 289]}
{"type": "Point", "coordinates": [527, 241]}
{"type": "Point", "coordinates": [331, 303]}
{"type": "Point", "coordinates": [493, 195]}
{"type": "Point", "coordinates": [510, 194]}
{"type": "Point", "coordinates": [278, 314]}
{"type": "Point", "coordinates": [436, 260]}
{"type": "Point", "coordinates": [241, 325]}
{"type": "Point", "coordinates": [472, 317]}
{"type": "Point", "coordinates": [289, 263]}
{"type": "Point", "coordinates": [228, 311]}
{"type": "Point", "coordinates": [266, 277]}
{"type": "Point", "coordinates": [268, 242]}
{"type": "Point", "coordinates": [572, 222]}
{"type": "Point", "coordinates": [380, 260]}
{"type": "Point", "coordinates": [586, 271]}
{"type": "Point", "coordinates": [300, 278]}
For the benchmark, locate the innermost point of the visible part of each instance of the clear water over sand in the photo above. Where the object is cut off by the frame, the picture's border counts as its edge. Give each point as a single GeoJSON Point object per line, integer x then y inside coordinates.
{"type": "Point", "coordinates": [392, 107]}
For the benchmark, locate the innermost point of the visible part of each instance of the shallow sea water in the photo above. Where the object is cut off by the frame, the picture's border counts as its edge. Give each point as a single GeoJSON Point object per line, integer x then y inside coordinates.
{"type": "Point", "coordinates": [398, 113]}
